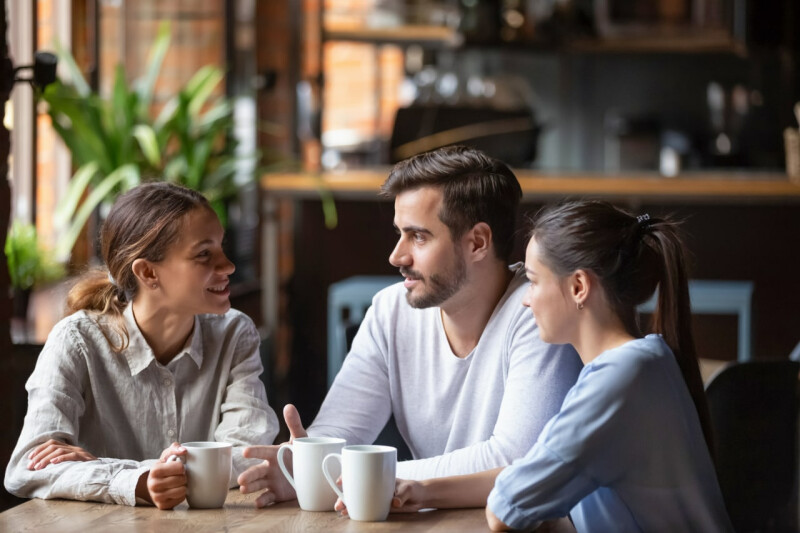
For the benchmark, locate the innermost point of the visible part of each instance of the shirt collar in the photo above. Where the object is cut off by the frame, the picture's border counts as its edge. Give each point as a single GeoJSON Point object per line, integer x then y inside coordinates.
{"type": "Point", "coordinates": [139, 354]}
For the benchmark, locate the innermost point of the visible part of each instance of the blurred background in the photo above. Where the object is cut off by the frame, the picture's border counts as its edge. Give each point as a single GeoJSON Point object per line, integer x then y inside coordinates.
{"type": "Point", "coordinates": [281, 110]}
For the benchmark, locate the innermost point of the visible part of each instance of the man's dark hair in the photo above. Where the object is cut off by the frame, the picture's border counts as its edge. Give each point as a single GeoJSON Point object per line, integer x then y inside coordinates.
{"type": "Point", "coordinates": [475, 188]}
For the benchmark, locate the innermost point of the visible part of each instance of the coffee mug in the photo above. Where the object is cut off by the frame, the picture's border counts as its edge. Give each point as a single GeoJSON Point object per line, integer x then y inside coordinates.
{"type": "Point", "coordinates": [368, 476]}
{"type": "Point", "coordinates": [208, 473]}
{"type": "Point", "coordinates": [313, 492]}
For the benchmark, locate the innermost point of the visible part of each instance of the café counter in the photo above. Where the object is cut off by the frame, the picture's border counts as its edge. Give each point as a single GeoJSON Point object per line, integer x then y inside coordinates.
{"type": "Point", "coordinates": [732, 216]}
{"type": "Point", "coordinates": [689, 187]}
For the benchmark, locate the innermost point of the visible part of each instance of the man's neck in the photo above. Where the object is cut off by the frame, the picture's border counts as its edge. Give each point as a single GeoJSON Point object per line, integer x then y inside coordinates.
{"type": "Point", "coordinates": [466, 314]}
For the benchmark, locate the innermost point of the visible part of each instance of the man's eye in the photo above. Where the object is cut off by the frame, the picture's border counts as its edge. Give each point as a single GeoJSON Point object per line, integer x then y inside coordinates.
{"type": "Point", "coordinates": [419, 237]}
{"type": "Point", "coordinates": [203, 254]}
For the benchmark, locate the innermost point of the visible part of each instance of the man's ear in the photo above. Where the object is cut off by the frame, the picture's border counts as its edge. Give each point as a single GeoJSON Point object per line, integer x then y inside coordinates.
{"type": "Point", "coordinates": [144, 272]}
{"type": "Point", "coordinates": [479, 241]}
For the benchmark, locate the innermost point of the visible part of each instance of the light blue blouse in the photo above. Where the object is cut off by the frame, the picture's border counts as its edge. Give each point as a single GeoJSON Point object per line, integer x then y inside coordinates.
{"type": "Point", "coordinates": [625, 453]}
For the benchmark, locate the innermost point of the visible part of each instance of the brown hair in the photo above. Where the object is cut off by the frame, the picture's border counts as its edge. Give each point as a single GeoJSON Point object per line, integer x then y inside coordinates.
{"type": "Point", "coordinates": [631, 256]}
{"type": "Point", "coordinates": [476, 188]}
{"type": "Point", "coordinates": [143, 223]}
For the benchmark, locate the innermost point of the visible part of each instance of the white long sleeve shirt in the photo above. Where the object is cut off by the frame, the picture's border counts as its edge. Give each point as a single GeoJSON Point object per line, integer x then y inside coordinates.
{"type": "Point", "coordinates": [457, 415]}
{"type": "Point", "coordinates": [126, 408]}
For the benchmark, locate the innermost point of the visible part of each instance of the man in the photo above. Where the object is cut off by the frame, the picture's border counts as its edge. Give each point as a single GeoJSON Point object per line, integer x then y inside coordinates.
{"type": "Point", "coordinates": [450, 352]}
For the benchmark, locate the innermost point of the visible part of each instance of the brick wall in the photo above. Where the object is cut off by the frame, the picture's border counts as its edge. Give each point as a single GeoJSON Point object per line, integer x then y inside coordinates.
{"type": "Point", "coordinates": [274, 51]}
{"type": "Point", "coordinates": [129, 30]}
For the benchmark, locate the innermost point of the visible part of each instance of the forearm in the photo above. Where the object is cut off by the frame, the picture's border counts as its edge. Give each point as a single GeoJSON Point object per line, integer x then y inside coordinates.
{"type": "Point", "coordinates": [103, 480]}
{"type": "Point", "coordinates": [470, 490]}
{"type": "Point", "coordinates": [478, 457]}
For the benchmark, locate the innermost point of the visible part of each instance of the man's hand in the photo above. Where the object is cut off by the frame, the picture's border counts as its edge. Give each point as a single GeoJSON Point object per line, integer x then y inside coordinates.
{"type": "Point", "coordinates": [54, 451]}
{"type": "Point", "coordinates": [267, 475]}
{"type": "Point", "coordinates": [165, 484]}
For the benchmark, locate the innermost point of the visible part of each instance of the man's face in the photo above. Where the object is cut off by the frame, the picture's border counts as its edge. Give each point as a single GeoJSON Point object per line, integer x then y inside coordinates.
{"type": "Point", "coordinates": [426, 255]}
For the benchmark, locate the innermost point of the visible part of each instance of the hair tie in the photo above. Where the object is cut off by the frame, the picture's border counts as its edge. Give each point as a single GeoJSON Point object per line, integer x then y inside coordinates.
{"type": "Point", "coordinates": [644, 223]}
{"type": "Point", "coordinates": [112, 280]}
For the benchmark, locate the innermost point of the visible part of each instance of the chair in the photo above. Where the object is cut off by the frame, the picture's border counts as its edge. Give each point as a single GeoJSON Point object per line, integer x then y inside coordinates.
{"type": "Point", "coordinates": [753, 407]}
{"type": "Point", "coordinates": [712, 297]}
{"type": "Point", "coordinates": [348, 301]}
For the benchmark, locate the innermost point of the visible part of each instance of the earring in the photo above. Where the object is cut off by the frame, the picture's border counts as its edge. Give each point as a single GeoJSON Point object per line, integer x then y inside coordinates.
{"type": "Point", "coordinates": [155, 285]}
{"type": "Point", "coordinates": [580, 306]}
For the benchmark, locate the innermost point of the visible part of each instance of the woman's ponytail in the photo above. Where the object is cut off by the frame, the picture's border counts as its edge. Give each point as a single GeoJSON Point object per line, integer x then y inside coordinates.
{"type": "Point", "coordinates": [673, 316]}
{"type": "Point", "coordinates": [96, 293]}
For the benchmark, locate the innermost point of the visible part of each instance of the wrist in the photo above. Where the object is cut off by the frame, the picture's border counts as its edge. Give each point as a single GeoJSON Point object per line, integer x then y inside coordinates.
{"type": "Point", "coordinates": [427, 494]}
{"type": "Point", "coordinates": [142, 492]}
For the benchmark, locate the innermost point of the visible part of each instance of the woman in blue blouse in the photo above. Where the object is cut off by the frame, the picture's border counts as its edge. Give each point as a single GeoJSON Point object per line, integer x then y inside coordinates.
{"type": "Point", "coordinates": [629, 450]}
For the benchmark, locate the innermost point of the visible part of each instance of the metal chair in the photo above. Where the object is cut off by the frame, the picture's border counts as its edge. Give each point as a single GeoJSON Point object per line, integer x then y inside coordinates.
{"type": "Point", "coordinates": [753, 407]}
{"type": "Point", "coordinates": [712, 297]}
{"type": "Point", "coordinates": [348, 301]}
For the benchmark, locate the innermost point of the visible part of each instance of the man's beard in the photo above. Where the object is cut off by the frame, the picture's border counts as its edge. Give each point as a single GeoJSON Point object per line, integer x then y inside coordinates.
{"type": "Point", "coordinates": [439, 287]}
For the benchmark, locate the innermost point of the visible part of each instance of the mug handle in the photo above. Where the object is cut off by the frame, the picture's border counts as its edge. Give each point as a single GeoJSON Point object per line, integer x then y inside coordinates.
{"type": "Point", "coordinates": [331, 481]}
{"type": "Point", "coordinates": [173, 458]}
{"type": "Point", "coordinates": [282, 466]}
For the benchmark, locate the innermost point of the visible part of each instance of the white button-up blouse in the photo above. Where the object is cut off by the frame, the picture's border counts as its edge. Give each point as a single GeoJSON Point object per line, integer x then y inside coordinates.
{"type": "Point", "coordinates": [126, 408]}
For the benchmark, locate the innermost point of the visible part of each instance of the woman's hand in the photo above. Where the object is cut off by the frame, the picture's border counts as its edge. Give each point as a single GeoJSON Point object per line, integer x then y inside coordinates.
{"type": "Point", "coordinates": [165, 484]}
{"type": "Point", "coordinates": [54, 452]}
{"type": "Point", "coordinates": [409, 497]}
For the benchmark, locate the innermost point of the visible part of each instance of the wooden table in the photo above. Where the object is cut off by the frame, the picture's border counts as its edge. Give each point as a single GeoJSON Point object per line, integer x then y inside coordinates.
{"type": "Point", "coordinates": [239, 514]}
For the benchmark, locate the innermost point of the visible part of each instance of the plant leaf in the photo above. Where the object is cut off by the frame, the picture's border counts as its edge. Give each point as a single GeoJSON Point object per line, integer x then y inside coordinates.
{"type": "Point", "coordinates": [124, 174]}
{"type": "Point", "coordinates": [145, 85]}
{"type": "Point", "coordinates": [201, 86]}
{"type": "Point", "coordinates": [148, 143]}
{"type": "Point", "coordinates": [75, 189]}
{"type": "Point", "coordinates": [76, 76]}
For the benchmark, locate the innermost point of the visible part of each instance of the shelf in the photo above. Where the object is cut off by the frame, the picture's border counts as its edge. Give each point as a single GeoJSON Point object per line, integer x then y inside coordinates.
{"type": "Point", "coordinates": [690, 187]}
{"type": "Point", "coordinates": [694, 44]}
{"type": "Point", "coordinates": [449, 38]}
{"type": "Point", "coordinates": [400, 35]}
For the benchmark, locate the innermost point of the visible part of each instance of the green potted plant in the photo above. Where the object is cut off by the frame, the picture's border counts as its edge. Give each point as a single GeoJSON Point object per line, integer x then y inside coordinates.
{"type": "Point", "coordinates": [29, 264]}
{"type": "Point", "coordinates": [116, 143]}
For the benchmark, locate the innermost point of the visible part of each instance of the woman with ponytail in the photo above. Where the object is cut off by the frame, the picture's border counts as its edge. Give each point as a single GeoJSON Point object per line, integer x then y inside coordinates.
{"type": "Point", "coordinates": [150, 354]}
{"type": "Point", "coordinates": [630, 449]}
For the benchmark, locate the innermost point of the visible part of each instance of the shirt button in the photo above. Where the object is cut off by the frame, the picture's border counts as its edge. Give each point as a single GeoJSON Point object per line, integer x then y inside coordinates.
{"type": "Point", "coordinates": [171, 433]}
{"type": "Point", "coordinates": [167, 382]}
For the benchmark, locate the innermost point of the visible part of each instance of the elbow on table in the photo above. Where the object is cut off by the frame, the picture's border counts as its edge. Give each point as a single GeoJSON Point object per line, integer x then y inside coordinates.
{"type": "Point", "coordinates": [495, 524]}
{"type": "Point", "coordinates": [16, 484]}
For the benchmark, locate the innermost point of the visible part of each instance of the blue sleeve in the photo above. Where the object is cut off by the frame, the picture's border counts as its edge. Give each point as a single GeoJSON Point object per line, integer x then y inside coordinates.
{"type": "Point", "coordinates": [538, 487]}
{"type": "Point", "coordinates": [585, 446]}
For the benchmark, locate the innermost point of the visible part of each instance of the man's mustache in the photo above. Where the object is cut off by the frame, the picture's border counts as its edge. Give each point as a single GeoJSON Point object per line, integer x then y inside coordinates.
{"type": "Point", "coordinates": [411, 274]}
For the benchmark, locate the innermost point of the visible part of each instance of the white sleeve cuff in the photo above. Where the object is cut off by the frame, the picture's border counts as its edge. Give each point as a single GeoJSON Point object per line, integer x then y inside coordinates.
{"type": "Point", "coordinates": [123, 486]}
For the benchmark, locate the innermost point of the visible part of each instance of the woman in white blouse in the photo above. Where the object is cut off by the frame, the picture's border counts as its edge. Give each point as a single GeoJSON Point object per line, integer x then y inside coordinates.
{"type": "Point", "coordinates": [151, 354]}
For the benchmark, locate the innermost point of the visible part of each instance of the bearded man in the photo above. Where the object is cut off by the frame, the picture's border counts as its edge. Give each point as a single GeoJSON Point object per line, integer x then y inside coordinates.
{"type": "Point", "coordinates": [450, 352]}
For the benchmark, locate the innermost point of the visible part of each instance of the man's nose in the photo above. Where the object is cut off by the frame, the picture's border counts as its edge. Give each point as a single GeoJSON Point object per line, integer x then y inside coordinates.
{"type": "Point", "coordinates": [399, 257]}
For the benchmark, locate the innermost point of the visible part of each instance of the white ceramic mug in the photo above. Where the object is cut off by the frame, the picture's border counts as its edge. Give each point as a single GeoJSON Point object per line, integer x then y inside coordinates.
{"type": "Point", "coordinates": [368, 476]}
{"type": "Point", "coordinates": [208, 473]}
{"type": "Point", "coordinates": [313, 492]}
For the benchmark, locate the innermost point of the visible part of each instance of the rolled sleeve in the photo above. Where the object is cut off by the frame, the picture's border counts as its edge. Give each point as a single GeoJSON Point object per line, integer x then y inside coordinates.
{"type": "Point", "coordinates": [540, 486]}
{"type": "Point", "coordinates": [122, 487]}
